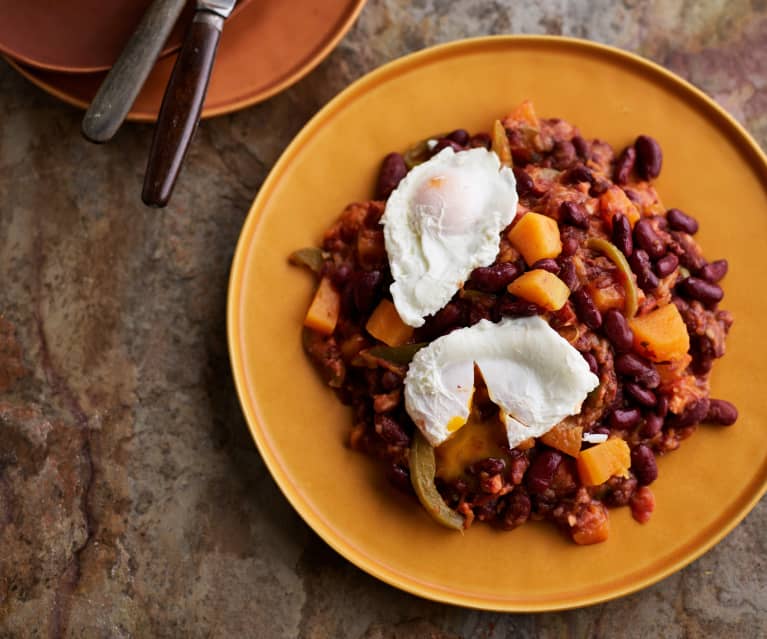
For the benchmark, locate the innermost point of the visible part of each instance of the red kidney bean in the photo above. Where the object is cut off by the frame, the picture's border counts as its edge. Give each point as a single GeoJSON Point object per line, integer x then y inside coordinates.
{"type": "Point", "coordinates": [599, 187]}
{"type": "Point", "coordinates": [581, 147]}
{"type": "Point", "coordinates": [445, 318]}
{"type": "Point", "coordinates": [399, 477]}
{"type": "Point", "coordinates": [525, 184]}
{"type": "Point", "coordinates": [640, 395]}
{"type": "Point", "coordinates": [569, 246]}
{"type": "Point", "coordinates": [578, 174]}
{"type": "Point", "coordinates": [666, 265]}
{"type": "Point", "coordinates": [701, 364]}
{"type": "Point", "coordinates": [625, 418]}
{"type": "Point", "coordinates": [390, 431]}
{"type": "Point", "coordinates": [640, 264]}
{"type": "Point", "coordinates": [541, 472]}
{"type": "Point", "coordinates": [643, 464]}
{"type": "Point", "coordinates": [638, 368]}
{"type": "Point", "coordinates": [721, 412]}
{"type": "Point", "coordinates": [365, 286]}
{"type": "Point", "coordinates": [652, 425]}
{"type": "Point", "coordinates": [624, 165]}
{"type": "Point", "coordinates": [563, 154]}
{"type": "Point", "coordinates": [517, 308]}
{"type": "Point", "coordinates": [621, 234]}
{"type": "Point", "coordinates": [443, 143]}
{"type": "Point", "coordinates": [714, 271]}
{"type": "Point", "coordinates": [393, 169]}
{"type": "Point", "coordinates": [574, 213]}
{"type": "Point", "coordinates": [649, 158]}
{"type": "Point", "coordinates": [390, 381]}
{"type": "Point", "coordinates": [460, 136]}
{"type": "Point", "coordinates": [591, 361]}
{"type": "Point", "coordinates": [694, 413]}
{"type": "Point", "coordinates": [547, 264]}
{"type": "Point", "coordinates": [680, 221]}
{"type": "Point", "coordinates": [340, 274]}
{"type": "Point", "coordinates": [587, 312]}
{"type": "Point", "coordinates": [617, 330]}
{"type": "Point", "coordinates": [567, 274]}
{"type": "Point", "coordinates": [492, 279]}
{"type": "Point", "coordinates": [701, 290]}
{"type": "Point", "coordinates": [646, 238]}
{"type": "Point", "coordinates": [517, 510]}
{"type": "Point", "coordinates": [661, 407]}
{"type": "Point", "coordinates": [481, 139]}
{"type": "Point", "coordinates": [489, 466]}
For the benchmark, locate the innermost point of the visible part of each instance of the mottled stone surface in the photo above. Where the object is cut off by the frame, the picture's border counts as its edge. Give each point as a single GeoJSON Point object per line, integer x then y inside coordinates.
{"type": "Point", "coordinates": [132, 500]}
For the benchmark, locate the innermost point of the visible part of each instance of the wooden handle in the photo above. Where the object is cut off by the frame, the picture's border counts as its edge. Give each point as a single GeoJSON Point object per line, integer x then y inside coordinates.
{"type": "Point", "coordinates": [124, 81]}
{"type": "Point", "coordinates": [181, 107]}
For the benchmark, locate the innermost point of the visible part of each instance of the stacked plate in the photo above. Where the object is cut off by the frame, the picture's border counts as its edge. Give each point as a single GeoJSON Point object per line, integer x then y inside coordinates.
{"type": "Point", "coordinates": [67, 48]}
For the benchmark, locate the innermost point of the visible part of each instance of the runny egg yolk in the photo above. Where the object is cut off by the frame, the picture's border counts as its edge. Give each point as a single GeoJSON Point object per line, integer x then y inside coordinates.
{"type": "Point", "coordinates": [448, 202]}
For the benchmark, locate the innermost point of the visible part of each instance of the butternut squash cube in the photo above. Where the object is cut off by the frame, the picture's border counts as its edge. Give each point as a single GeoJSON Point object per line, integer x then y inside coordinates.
{"type": "Point", "coordinates": [613, 201]}
{"type": "Point", "coordinates": [608, 297]}
{"type": "Point", "coordinates": [542, 288]}
{"type": "Point", "coordinates": [501, 145]}
{"type": "Point", "coordinates": [597, 464]}
{"type": "Point", "coordinates": [536, 237]}
{"type": "Point", "coordinates": [564, 437]}
{"type": "Point", "coordinates": [386, 325]}
{"type": "Point", "coordinates": [661, 335]}
{"type": "Point", "coordinates": [322, 315]}
{"type": "Point", "coordinates": [525, 112]}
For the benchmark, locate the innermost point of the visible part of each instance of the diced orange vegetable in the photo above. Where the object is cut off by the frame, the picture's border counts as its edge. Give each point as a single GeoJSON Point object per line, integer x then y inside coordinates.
{"type": "Point", "coordinates": [597, 464]}
{"type": "Point", "coordinates": [607, 297]}
{"type": "Point", "coordinates": [322, 315]}
{"type": "Point", "coordinates": [661, 335]}
{"type": "Point", "coordinates": [613, 201]}
{"type": "Point", "coordinates": [542, 288]}
{"type": "Point", "coordinates": [594, 527]}
{"type": "Point", "coordinates": [525, 112]}
{"type": "Point", "coordinates": [501, 144]}
{"type": "Point", "coordinates": [386, 325]}
{"type": "Point", "coordinates": [535, 236]}
{"type": "Point", "coordinates": [564, 437]}
{"type": "Point", "coordinates": [526, 444]}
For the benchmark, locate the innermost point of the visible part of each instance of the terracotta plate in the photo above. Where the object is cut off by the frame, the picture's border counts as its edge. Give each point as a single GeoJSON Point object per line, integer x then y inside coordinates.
{"type": "Point", "coordinates": [711, 169]}
{"type": "Point", "coordinates": [269, 46]}
{"type": "Point", "coordinates": [76, 36]}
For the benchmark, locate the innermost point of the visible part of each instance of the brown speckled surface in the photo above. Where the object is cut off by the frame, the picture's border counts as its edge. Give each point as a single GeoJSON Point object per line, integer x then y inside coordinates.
{"type": "Point", "coordinates": [132, 500]}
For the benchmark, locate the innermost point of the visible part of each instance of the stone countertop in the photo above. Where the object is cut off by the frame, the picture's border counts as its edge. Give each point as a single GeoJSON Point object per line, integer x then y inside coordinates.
{"type": "Point", "coordinates": [133, 502]}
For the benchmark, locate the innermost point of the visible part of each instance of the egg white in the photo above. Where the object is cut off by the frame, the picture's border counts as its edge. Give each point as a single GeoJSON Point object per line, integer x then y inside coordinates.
{"type": "Point", "coordinates": [441, 222]}
{"type": "Point", "coordinates": [533, 374]}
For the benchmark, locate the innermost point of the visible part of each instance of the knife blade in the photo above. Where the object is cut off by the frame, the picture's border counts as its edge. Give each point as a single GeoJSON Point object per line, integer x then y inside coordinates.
{"type": "Point", "coordinates": [183, 100]}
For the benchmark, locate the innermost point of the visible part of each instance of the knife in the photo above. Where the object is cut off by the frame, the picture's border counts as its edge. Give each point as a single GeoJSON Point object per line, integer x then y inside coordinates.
{"type": "Point", "coordinates": [183, 100]}
{"type": "Point", "coordinates": [117, 93]}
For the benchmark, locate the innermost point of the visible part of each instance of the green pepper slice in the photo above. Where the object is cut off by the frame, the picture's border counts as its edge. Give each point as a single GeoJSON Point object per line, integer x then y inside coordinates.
{"type": "Point", "coordinates": [423, 466]}
{"type": "Point", "coordinates": [614, 254]}
{"type": "Point", "coordinates": [312, 257]}
{"type": "Point", "coordinates": [400, 355]}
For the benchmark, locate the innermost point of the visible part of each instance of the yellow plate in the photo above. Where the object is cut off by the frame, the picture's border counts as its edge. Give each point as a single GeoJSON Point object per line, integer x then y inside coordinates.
{"type": "Point", "coordinates": [711, 169]}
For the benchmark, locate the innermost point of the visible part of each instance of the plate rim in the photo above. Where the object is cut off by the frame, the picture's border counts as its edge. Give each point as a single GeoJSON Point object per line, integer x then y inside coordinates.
{"type": "Point", "coordinates": [314, 520]}
{"type": "Point", "coordinates": [298, 74]}
{"type": "Point", "coordinates": [8, 52]}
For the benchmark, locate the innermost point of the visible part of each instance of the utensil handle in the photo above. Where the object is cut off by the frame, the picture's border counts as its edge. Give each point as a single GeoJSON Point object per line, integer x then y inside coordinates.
{"type": "Point", "coordinates": [181, 107]}
{"type": "Point", "coordinates": [124, 81]}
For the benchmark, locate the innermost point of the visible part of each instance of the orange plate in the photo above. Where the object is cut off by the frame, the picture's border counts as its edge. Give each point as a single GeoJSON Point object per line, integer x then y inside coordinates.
{"type": "Point", "coordinates": [77, 36]}
{"type": "Point", "coordinates": [712, 169]}
{"type": "Point", "coordinates": [269, 46]}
